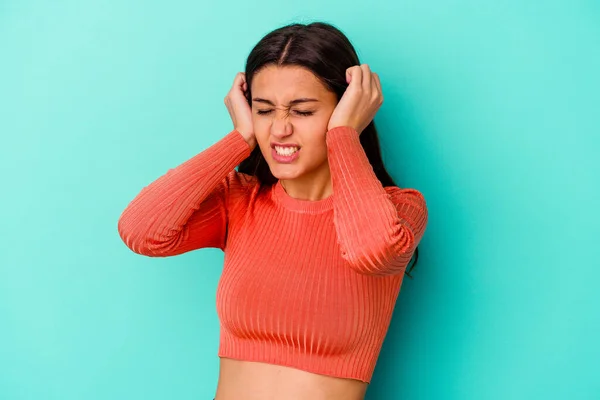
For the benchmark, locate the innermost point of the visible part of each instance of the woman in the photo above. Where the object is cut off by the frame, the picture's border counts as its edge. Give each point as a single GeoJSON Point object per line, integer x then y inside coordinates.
{"type": "Point", "coordinates": [316, 236]}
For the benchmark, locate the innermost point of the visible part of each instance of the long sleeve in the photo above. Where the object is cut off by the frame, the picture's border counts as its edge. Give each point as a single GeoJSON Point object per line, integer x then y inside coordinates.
{"type": "Point", "coordinates": [378, 228]}
{"type": "Point", "coordinates": [186, 208]}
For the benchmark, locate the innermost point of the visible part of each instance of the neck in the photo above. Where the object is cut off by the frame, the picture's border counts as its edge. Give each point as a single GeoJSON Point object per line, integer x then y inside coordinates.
{"type": "Point", "coordinates": [309, 187]}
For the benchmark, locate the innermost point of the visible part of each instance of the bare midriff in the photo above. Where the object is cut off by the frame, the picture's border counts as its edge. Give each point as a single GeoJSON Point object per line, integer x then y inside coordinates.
{"type": "Point", "coordinates": [245, 380]}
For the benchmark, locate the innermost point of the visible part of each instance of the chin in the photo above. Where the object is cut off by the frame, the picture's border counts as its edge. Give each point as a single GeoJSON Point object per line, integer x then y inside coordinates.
{"type": "Point", "coordinates": [285, 171]}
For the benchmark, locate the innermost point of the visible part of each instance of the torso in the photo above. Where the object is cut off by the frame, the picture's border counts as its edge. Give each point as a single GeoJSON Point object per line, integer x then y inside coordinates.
{"type": "Point", "coordinates": [297, 322]}
{"type": "Point", "coordinates": [244, 380]}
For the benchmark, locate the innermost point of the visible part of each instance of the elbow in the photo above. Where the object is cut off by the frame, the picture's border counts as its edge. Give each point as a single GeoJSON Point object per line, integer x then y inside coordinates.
{"type": "Point", "coordinates": [388, 250]}
{"type": "Point", "coordinates": [130, 236]}
{"type": "Point", "coordinates": [388, 257]}
{"type": "Point", "coordinates": [133, 234]}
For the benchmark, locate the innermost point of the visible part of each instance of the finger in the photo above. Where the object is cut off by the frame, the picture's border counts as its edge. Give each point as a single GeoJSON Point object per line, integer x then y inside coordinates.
{"type": "Point", "coordinates": [239, 80]}
{"type": "Point", "coordinates": [366, 78]}
{"type": "Point", "coordinates": [377, 81]}
{"type": "Point", "coordinates": [354, 75]}
{"type": "Point", "coordinates": [240, 84]}
{"type": "Point", "coordinates": [378, 84]}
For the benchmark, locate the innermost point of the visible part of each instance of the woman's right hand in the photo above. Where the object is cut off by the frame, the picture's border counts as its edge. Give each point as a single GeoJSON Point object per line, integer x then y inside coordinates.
{"type": "Point", "coordinates": [239, 110]}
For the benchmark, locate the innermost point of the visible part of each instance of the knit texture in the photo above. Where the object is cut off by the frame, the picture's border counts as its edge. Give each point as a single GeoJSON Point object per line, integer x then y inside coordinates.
{"type": "Point", "coordinates": [305, 284]}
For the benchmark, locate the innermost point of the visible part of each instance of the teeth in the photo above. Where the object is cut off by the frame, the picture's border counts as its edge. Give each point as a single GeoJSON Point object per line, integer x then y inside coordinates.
{"type": "Point", "coordinates": [285, 151]}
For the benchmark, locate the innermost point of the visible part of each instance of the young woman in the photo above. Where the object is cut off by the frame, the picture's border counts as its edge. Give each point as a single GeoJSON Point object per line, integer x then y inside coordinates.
{"type": "Point", "coordinates": [316, 235]}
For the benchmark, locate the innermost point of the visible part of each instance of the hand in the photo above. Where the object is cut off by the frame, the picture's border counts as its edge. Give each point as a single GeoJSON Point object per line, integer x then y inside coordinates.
{"type": "Point", "coordinates": [239, 110]}
{"type": "Point", "coordinates": [360, 101]}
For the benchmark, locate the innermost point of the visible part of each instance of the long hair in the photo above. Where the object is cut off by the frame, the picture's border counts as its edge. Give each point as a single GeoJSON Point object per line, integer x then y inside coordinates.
{"type": "Point", "coordinates": [327, 53]}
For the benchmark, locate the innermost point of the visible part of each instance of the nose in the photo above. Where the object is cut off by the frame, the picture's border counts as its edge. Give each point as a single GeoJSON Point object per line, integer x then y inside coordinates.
{"type": "Point", "coordinates": [281, 127]}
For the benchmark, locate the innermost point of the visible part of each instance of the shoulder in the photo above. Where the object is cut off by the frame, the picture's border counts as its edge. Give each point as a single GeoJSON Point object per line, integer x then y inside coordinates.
{"type": "Point", "coordinates": [238, 180]}
{"type": "Point", "coordinates": [242, 190]}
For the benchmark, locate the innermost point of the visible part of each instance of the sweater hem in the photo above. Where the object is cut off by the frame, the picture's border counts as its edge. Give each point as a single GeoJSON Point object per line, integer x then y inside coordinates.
{"type": "Point", "coordinates": [312, 368]}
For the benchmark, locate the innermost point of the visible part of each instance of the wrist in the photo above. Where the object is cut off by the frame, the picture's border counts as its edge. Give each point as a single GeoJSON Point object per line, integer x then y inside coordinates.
{"type": "Point", "coordinates": [251, 140]}
{"type": "Point", "coordinates": [343, 128]}
{"type": "Point", "coordinates": [248, 137]}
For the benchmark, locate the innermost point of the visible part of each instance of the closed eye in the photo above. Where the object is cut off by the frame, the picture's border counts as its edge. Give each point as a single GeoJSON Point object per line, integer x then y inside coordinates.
{"type": "Point", "coordinates": [303, 113]}
{"type": "Point", "coordinates": [297, 112]}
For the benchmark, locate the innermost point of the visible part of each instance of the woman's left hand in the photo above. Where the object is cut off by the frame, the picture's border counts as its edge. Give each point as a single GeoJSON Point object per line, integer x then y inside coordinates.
{"type": "Point", "coordinates": [361, 100]}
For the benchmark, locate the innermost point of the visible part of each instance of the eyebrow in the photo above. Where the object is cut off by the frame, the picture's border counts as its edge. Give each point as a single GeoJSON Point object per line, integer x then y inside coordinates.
{"type": "Point", "coordinates": [296, 101]}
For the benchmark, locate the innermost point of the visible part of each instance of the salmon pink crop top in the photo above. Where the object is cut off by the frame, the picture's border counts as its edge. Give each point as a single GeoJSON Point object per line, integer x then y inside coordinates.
{"type": "Point", "coordinates": [305, 284]}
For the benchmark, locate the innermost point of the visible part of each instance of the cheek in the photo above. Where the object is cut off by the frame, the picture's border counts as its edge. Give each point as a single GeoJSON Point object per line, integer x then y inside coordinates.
{"type": "Point", "coordinates": [256, 121]}
{"type": "Point", "coordinates": [316, 147]}
{"type": "Point", "coordinates": [261, 129]}
{"type": "Point", "coordinates": [318, 122]}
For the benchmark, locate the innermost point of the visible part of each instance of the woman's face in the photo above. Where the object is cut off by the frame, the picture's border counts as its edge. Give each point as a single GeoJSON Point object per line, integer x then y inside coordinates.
{"type": "Point", "coordinates": [290, 106]}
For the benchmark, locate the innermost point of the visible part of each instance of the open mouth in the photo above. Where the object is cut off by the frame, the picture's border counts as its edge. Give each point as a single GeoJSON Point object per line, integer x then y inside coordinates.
{"type": "Point", "coordinates": [285, 154]}
{"type": "Point", "coordinates": [286, 151]}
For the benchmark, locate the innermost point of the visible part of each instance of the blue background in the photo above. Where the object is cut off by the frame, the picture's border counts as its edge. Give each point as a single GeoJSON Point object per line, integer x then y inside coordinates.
{"type": "Point", "coordinates": [491, 111]}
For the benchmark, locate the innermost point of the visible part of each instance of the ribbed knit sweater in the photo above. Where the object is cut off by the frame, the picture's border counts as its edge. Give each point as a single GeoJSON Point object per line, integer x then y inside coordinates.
{"type": "Point", "coordinates": [305, 284]}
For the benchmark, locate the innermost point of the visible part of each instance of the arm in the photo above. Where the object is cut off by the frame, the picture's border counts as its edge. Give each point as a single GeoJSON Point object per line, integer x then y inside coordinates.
{"type": "Point", "coordinates": [378, 228]}
{"type": "Point", "coordinates": [186, 208]}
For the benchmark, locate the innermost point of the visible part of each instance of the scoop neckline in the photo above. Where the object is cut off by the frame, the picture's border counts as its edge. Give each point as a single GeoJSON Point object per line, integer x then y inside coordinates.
{"type": "Point", "coordinates": [299, 205]}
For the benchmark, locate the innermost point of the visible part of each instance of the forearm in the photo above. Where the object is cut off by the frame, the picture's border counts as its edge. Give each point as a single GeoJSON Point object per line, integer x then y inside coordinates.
{"type": "Point", "coordinates": [377, 233]}
{"type": "Point", "coordinates": [156, 217]}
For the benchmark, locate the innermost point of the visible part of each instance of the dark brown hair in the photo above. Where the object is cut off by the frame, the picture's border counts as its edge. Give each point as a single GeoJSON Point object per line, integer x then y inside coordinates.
{"type": "Point", "coordinates": [327, 53]}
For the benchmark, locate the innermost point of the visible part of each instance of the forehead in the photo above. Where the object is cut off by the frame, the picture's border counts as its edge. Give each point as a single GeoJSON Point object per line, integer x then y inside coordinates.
{"type": "Point", "coordinates": [285, 82]}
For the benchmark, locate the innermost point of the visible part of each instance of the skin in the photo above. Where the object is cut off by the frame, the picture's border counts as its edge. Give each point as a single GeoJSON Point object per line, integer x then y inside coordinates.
{"type": "Point", "coordinates": [275, 117]}
{"type": "Point", "coordinates": [308, 177]}
{"type": "Point", "coordinates": [275, 120]}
